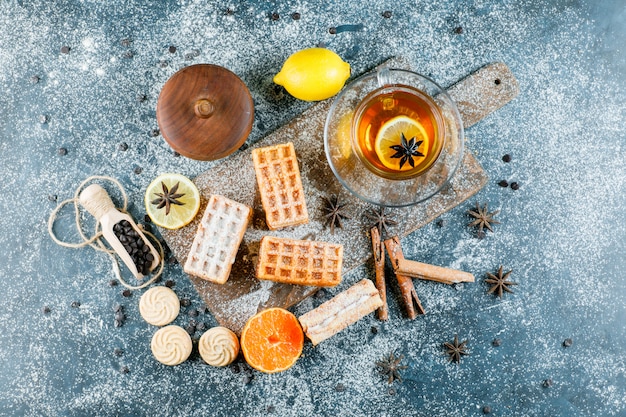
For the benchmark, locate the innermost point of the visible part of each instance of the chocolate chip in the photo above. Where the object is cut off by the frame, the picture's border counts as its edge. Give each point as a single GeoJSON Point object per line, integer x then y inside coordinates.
{"type": "Point", "coordinates": [547, 383]}
{"type": "Point", "coordinates": [123, 146]}
{"type": "Point", "coordinates": [172, 49]}
{"type": "Point", "coordinates": [52, 197]}
{"type": "Point", "coordinates": [127, 293]}
{"type": "Point", "coordinates": [486, 410]}
{"type": "Point", "coordinates": [441, 223]}
{"type": "Point", "coordinates": [154, 133]}
{"type": "Point", "coordinates": [332, 30]}
{"type": "Point", "coordinates": [65, 49]}
{"type": "Point", "coordinates": [193, 313]}
{"type": "Point", "coordinates": [117, 307]}
{"type": "Point", "coordinates": [320, 293]}
{"type": "Point", "coordinates": [141, 98]}
{"type": "Point", "coordinates": [568, 342]}
{"type": "Point", "coordinates": [169, 283]}
{"type": "Point", "coordinates": [190, 329]}
{"type": "Point", "coordinates": [118, 352]}
{"type": "Point", "coordinates": [271, 408]}
{"type": "Point", "coordinates": [374, 330]}
{"type": "Point", "coordinates": [185, 302]}
{"type": "Point", "coordinates": [234, 368]}
{"type": "Point", "coordinates": [206, 310]}
{"type": "Point", "coordinates": [188, 56]}
{"type": "Point", "coordinates": [274, 16]}
{"type": "Point", "coordinates": [118, 323]}
{"type": "Point", "coordinates": [514, 186]}
{"type": "Point", "coordinates": [124, 369]}
{"type": "Point", "coordinates": [229, 12]}
{"type": "Point", "coordinates": [34, 79]}
{"type": "Point", "coordinates": [503, 183]}
{"type": "Point", "coordinates": [193, 323]}
{"type": "Point", "coordinates": [45, 309]}
{"type": "Point", "coordinates": [496, 342]}
{"type": "Point", "coordinates": [387, 14]}
{"type": "Point", "coordinates": [75, 304]}
{"type": "Point", "coordinates": [506, 158]}
{"type": "Point", "coordinates": [176, 154]}
{"type": "Point", "coordinates": [138, 170]}
{"type": "Point", "coordinates": [125, 42]}
{"type": "Point", "coordinates": [497, 81]}
{"type": "Point", "coordinates": [120, 316]}
{"type": "Point", "coordinates": [113, 283]}
{"type": "Point", "coordinates": [201, 326]}
{"type": "Point", "coordinates": [295, 16]}
{"type": "Point", "coordinates": [62, 151]}
{"type": "Point", "coordinates": [340, 387]}
{"type": "Point", "coordinates": [163, 64]}
{"type": "Point", "coordinates": [391, 391]}
{"type": "Point", "coordinates": [458, 30]}
{"type": "Point", "coordinates": [128, 54]}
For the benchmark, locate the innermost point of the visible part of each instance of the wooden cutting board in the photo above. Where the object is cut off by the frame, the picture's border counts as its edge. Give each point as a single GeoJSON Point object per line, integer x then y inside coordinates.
{"type": "Point", "coordinates": [243, 295]}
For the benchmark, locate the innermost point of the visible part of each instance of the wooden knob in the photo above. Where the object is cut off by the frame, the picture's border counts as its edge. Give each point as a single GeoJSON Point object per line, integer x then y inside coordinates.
{"type": "Point", "coordinates": [205, 112]}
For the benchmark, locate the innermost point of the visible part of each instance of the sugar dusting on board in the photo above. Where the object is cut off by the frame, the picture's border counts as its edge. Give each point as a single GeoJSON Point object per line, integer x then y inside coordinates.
{"type": "Point", "coordinates": [558, 234]}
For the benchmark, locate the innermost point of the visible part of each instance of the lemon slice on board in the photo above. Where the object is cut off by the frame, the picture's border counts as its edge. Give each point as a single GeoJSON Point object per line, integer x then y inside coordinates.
{"type": "Point", "coordinates": [390, 134]}
{"type": "Point", "coordinates": [172, 201]}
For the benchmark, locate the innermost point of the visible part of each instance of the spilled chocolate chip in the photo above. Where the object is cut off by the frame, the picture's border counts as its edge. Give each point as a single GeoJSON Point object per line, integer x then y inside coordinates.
{"type": "Point", "coordinates": [274, 16]}
{"type": "Point", "coordinates": [568, 342]}
{"type": "Point", "coordinates": [172, 49]}
{"type": "Point", "coordinates": [496, 342]}
{"type": "Point", "coordinates": [125, 42]}
{"type": "Point", "coordinates": [193, 313]}
{"type": "Point", "coordinates": [374, 330]}
{"type": "Point", "coordinates": [118, 352]}
{"type": "Point", "coordinates": [229, 12]}
{"type": "Point", "coordinates": [497, 81]}
{"type": "Point", "coordinates": [52, 198]}
{"type": "Point", "coordinates": [169, 283]}
{"type": "Point", "coordinates": [113, 283]}
{"type": "Point", "coordinates": [332, 30]}
{"type": "Point", "coordinates": [62, 151]}
{"type": "Point", "coordinates": [440, 223]}
{"type": "Point", "coordinates": [503, 183]}
{"type": "Point", "coordinates": [45, 309]}
{"type": "Point", "coordinates": [117, 308]}
{"type": "Point", "coordinates": [65, 49]}
{"type": "Point", "coordinates": [486, 410]}
{"type": "Point", "coordinates": [201, 327]}
{"type": "Point", "coordinates": [127, 293]}
{"type": "Point", "coordinates": [163, 64]}
{"type": "Point", "coordinates": [154, 133]}
{"type": "Point", "coordinates": [295, 16]}
{"type": "Point", "coordinates": [506, 158]}
{"type": "Point", "coordinates": [387, 14]}
{"type": "Point", "coordinates": [514, 186]}
{"type": "Point", "coordinates": [185, 302]}
{"type": "Point", "coordinates": [547, 383]}
{"type": "Point", "coordinates": [340, 387]}
{"type": "Point", "coordinates": [458, 30]}
{"type": "Point", "coordinates": [141, 98]}
{"type": "Point", "coordinates": [176, 154]}
{"type": "Point", "coordinates": [75, 304]}
{"type": "Point", "coordinates": [124, 369]}
{"type": "Point", "coordinates": [34, 79]}
{"type": "Point", "coordinates": [138, 170]}
{"type": "Point", "coordinates": [118, 323]}
{"type": "Point", "coordinates": [123, 146]}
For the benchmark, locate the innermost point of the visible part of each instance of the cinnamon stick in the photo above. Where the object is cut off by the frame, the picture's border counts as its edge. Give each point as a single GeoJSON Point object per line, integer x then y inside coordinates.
{"type": "Point", "coordinates": [431, 272]}
{"type": "Point", "coordinates": [409, 296]}
{"type": "Point", "coordinates": [379, 267]}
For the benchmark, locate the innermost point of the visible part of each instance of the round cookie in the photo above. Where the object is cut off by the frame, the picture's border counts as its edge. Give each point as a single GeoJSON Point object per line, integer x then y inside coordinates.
{"type": "Point", "coordinates": [171, 345]}
{"type": "Point", "coordinates": [159, 306]}
{"type": "Point", "coordinates": [218, 346]}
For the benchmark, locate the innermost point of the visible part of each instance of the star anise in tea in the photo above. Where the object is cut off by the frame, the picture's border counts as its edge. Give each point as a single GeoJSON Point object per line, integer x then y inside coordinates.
{"type": "Point", "coordinates": [407, 150]}
{"type": "Point", "coordinates": [455, 349]}
{"type": "Point", "coordinates": [334, 213]}
{"type": "Point", "coordinates": [390, 367]}
{"type": "Point", "coordinates": [168, 197]}
{"type": "Point", "coordinates": [499, 283]}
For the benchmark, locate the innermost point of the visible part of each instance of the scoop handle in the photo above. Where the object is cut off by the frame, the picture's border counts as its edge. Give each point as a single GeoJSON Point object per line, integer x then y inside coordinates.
{"type": "Point", "coordinates": [96, 201]}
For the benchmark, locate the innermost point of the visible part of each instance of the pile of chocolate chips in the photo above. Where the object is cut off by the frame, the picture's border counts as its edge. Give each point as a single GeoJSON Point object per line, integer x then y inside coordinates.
{"type": "Point", "coordinates": [135, 246]}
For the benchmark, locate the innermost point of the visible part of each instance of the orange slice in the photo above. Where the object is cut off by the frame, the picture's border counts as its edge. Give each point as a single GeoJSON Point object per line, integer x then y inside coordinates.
{"type": "Point", "coordinates": [272, 340]}
{"type": "Point", "coordinates": [390, 134]}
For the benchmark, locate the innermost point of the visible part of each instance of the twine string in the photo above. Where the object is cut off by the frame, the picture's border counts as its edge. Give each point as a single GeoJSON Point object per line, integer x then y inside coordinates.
{"type": "Point", "coordinates": [96, 241]}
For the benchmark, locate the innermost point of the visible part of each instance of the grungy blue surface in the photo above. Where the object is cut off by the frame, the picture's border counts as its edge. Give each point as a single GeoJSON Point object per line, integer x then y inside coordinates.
{"type": "Point", "coordinates": [562, 233]}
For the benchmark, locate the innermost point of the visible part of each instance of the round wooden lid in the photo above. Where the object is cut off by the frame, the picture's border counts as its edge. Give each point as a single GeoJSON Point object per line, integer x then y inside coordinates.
{"type": "Point", "coordinates": [205, 112]}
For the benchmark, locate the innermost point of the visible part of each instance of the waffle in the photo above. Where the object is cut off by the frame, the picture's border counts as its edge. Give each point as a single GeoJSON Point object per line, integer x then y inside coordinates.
{"type": "Point", "coordinates": [280, 186]}
{"type": "Point", "coordinates": [218, 238]}
{"type": "Point", "coordinates": [302, 262]}
{"type": "Point", "coordinates": [341, 311]}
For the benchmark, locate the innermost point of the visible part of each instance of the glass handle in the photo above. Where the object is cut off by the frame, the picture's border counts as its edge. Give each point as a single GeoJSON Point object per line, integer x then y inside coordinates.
{"type": "Point", "coordinates": [383, 76]}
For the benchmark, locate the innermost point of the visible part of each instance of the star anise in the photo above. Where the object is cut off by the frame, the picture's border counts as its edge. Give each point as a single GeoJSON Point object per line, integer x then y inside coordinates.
{"type": "Point", "coordinates": [334, 213]}
{"type": "Point", "coordinates": [390, 367]}
{"type": "Point", "coordinates": [455, 349]}
{"type": "Point", "coordinates": [167, 198]}
{"type": "Point", "coordinates": [483, 219]}
{"type": "Point", "coordinates": [407, 150]}
{"type": "Point", "coordinates": [499, 283]}
{"type": "Point", "coordinates": [382, 219]}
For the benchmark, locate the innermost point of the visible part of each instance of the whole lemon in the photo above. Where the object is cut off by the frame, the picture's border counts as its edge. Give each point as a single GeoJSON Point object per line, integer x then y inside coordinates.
{"type": "Point", "coordinates": [313, 74]}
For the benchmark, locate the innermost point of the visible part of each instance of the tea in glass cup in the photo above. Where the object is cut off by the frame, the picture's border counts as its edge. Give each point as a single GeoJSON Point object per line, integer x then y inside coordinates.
{"type": "Point", "coordinates": [398, 132]}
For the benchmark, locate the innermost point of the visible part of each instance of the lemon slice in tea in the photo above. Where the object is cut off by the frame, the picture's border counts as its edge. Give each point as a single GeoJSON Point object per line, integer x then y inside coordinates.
{"type": "Point", "coordinates": [390, 134]}
{"type": "Point", "coordinates": [172, 201]}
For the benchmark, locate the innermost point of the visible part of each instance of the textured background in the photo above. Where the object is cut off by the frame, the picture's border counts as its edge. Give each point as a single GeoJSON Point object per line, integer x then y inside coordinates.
{"type": "Point", "coordinates": [562, 232]}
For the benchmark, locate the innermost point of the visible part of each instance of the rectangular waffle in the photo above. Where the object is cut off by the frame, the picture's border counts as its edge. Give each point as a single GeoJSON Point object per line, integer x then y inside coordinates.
{"type": "Point", "coordinates": [301, 262]}
{"type": "Point", "coordinates": [280, 186]}
{"type": "Point", "coordinates": [342, 310]}
{"type": "Point", "coordinates": [219, 235]}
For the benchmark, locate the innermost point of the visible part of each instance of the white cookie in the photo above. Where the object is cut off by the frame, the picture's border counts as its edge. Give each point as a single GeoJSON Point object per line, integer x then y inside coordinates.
{"type": "Point", "coordinates": [219, 346]}
{"type": "Point", "coordinates": [159, 306]}
{"type": "Point", "coordinates": [171, 345]}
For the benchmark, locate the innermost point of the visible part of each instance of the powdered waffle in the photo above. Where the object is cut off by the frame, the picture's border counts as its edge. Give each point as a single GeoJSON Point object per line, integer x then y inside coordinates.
{"type": "Point", "coordinates": [215, 246]}
{"type": "Point", "coordinates": [302, 262]}
{"type": "Point", "coordinates": [280, 186]}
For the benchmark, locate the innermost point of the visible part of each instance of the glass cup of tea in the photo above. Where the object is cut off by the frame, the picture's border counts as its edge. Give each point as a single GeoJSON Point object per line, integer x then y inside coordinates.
{"type": "Point", "coordinates": [393, 137]}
